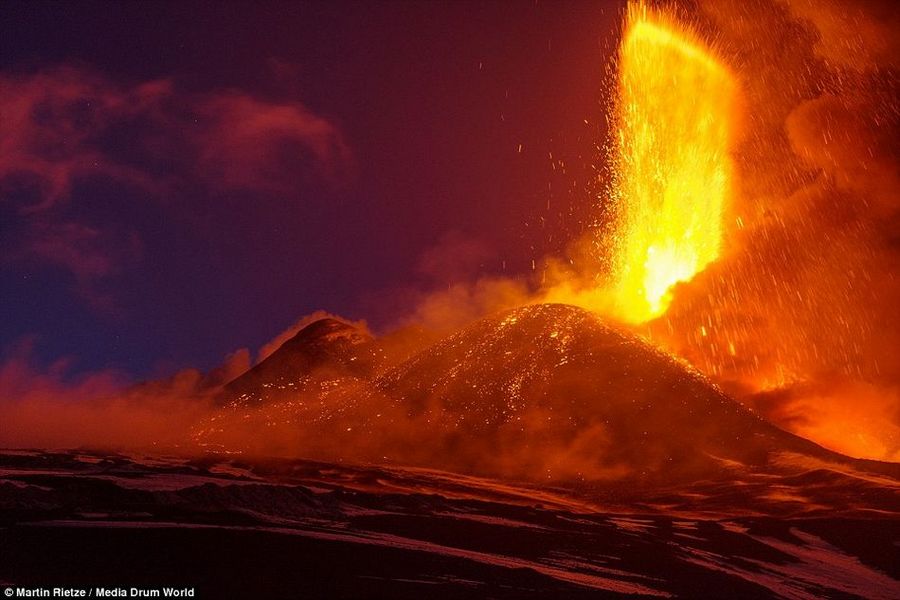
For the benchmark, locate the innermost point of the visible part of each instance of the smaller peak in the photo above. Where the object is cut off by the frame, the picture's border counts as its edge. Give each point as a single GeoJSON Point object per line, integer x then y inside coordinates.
{"type": "Point", "coordinates": [330, 329]}
{"type": "Point", "coordinates": [326, 325]}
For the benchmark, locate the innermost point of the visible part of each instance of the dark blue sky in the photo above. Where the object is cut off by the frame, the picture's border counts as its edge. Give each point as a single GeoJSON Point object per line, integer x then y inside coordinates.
{"type": "Point", "coordinates": [184, 179]}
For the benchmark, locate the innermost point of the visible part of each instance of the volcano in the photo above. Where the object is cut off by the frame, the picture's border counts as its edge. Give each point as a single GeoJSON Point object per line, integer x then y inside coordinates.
{"type": "Point", "coordinates": [542, 391]}
{"type": "Point", "coordinates": [537, 453]}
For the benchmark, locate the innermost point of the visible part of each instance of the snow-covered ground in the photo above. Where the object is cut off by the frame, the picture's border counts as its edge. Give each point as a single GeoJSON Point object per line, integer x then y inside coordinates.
{"type": "Point", "coordinates": [300, 529]}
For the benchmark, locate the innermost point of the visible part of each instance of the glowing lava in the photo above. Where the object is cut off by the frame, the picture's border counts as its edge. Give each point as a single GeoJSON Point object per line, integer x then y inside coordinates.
{"type": "Point", "coordinates": [675, 119]}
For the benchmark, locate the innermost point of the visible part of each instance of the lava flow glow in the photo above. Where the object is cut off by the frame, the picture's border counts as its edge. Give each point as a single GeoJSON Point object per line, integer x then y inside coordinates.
{"type": "Point", "coordinates": [672, 169]}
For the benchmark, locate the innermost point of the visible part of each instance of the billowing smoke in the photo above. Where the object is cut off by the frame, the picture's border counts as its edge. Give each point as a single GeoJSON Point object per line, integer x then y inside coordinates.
{"type": "Point", "coordinates": [44, 408]}
{"type": "Point", "coordinates": [48, 407]}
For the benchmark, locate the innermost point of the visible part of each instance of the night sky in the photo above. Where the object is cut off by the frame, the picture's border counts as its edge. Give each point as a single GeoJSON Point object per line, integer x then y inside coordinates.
{"type": "Point", "coordinates": [179, 180]}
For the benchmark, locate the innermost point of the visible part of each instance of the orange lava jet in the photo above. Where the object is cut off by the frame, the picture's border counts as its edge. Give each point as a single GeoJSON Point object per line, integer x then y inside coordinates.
{"type": "Point", "coordinates": [673, 175]}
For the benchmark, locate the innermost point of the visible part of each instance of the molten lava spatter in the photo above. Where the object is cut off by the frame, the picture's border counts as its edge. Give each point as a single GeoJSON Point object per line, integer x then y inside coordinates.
{"type": "Point", "coordinates": [672, 169]}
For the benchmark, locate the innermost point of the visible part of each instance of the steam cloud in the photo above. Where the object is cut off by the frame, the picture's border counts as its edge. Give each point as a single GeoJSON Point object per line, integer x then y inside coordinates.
{"type": "Point", "coordinates": [58, 130]}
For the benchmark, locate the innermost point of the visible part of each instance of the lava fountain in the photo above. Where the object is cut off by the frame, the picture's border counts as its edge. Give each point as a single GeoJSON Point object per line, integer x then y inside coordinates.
{"type": "Point", "coordinates": [672, 180]}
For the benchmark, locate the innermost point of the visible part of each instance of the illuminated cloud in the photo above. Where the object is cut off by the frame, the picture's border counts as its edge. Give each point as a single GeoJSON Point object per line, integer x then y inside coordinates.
{"type": "Point", "coordinates": [69, 126]}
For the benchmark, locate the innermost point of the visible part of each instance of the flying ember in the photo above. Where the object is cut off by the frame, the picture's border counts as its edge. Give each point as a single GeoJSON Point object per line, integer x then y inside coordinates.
{"type": "Point", "coordinates": [673, 175]}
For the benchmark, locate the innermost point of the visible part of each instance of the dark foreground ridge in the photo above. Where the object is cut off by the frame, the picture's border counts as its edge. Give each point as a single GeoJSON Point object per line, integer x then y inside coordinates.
{"type": "Point", "coordinates": [299, 529]}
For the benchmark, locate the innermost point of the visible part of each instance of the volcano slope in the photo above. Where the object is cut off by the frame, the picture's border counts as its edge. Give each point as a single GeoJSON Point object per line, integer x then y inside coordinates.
{"type": "Point", "coordinates": [541, 392]}
{"type": "Point", "coordinates": [291, 402]}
